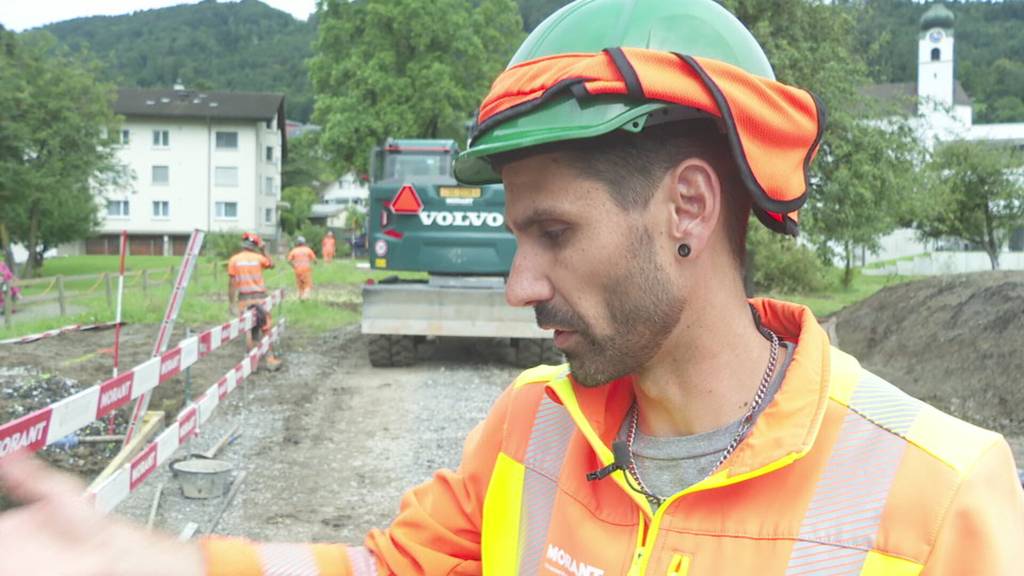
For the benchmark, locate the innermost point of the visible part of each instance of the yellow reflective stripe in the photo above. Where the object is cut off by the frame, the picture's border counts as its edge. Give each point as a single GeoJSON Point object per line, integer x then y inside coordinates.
{"type": "Point", "coordinates": [503, 504]}
{"type": "Point", "coordinates": [844, 373]}
{"type": "Point", "coordinates": [956, 443]}
{"type": "Point", "coordinates": [879, 564]}
{"type": "Point", "coordinates": [540, 375]}
{"type": "Point", "coordinates": [679, 566]}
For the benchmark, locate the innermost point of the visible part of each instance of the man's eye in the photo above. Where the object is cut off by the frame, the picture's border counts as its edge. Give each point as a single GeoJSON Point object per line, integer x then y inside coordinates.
{"type": "Point", "coordinates": [553, 234]}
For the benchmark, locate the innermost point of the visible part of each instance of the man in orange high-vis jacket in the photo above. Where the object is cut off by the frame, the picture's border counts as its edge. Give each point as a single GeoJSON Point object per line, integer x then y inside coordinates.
{"type": "Point", "coordinates": [246, 289]}
{"type": "Point", "coordinates": [327, 246]}
{"type": "Point", "coordinates": [302, 258]}
{"type": "Point", "coordinates": [693, 432]}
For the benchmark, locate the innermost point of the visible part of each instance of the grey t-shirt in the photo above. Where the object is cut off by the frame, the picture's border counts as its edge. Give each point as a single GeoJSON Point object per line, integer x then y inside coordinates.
{"type": "Point", "coordinates": [671, 464]}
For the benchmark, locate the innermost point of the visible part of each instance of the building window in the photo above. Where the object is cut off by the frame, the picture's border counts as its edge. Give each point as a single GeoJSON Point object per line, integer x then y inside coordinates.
{"type": "Point", "coordinates": [270, 123]}
{"type": "Point", "coordinates": [270, 153]}
{"type": "Point", "coordinates": [227, 140]}
{"type": "Point", "coordinates": [126, 136]}
{"type": "Point", "coordinates": [227, 210]}
{"type": "Point", "coordinates": [161, 138]}
{"type": "Point", "coordinates": [936, 54]}
{"type": "Point", "coordinates": [268, 185]}
{"type": "Point", "coordinates": [268, 215]}
{"type": "Point", "coordinates": [161, 175]}
{"type": "Point", "coordinates": [161, 209]}
{"type": "Point", "coordinates": [225, 176]}
{"type": "Point", "coordinates": [117, 209]}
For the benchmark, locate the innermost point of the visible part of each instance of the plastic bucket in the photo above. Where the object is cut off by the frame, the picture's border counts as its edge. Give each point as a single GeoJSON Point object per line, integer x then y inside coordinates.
{"type": "Point", "coordinates": [203, 478]}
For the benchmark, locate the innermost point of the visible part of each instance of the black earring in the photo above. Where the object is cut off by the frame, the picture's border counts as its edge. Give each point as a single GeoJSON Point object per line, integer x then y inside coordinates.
{"type": "Point", "coordinates": [684, 250]}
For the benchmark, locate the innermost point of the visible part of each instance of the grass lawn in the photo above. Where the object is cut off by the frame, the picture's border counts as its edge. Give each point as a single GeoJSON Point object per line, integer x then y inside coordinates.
{"type": "Point", "coordinates": [75, 265]}
{"type": "Point", "coordinates": [206, 302]}
{"type": "Point", "coordinates": [837, 298]}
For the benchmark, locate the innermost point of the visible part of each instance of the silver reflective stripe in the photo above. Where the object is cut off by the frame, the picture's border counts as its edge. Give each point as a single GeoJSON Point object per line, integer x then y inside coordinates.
{"type": "Point", "coordinates": [287, 560]}
{"type": "Point", "coordinates": [363, 561]}
{"type": "Point", "coordinates": [549, 440]}
{"type": "Point", "coordinates": [885, 404]}
{"type": "Point", "coordinates": [842, 519]}
{"type": "Point", "coordinates": [248, 263]}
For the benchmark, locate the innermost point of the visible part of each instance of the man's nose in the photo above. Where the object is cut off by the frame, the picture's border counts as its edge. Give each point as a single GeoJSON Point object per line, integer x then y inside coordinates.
{"type": "Point", "coordinates": [528, 284]}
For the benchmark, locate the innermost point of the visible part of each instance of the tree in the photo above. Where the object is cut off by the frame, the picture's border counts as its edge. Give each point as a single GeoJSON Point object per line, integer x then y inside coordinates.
{"type": "Point", "coordinates": [861, 179]}
{"type": "Point", "coordinates": [306, 164]}
{"type": "Point", "coordinates": [300, 201]}
{"type": "Point", "coordinates": [404, 68]}
{"type": "Point", "coordinates": [866, 186]}
{"type": "Point", "coordinates": [56, 148]}
{"type": "Point", "coordinates": [979, 195]}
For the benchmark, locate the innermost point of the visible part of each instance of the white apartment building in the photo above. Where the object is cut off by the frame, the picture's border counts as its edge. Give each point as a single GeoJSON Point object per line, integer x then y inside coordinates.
{"type": "Point", "coordinates": [201, 159]}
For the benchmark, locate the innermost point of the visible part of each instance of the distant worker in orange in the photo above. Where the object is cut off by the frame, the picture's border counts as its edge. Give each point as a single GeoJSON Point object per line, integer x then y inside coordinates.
{"type": "Point", "coordinates": [247, 290]}
{"type": "Point", "coordinates": [302, 258]}
{"type": "Point", "coordinates": [327, 247]}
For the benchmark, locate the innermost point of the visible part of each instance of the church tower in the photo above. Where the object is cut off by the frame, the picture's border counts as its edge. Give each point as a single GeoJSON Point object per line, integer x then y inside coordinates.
{"type": "Point", "coordinates": [935, 58]}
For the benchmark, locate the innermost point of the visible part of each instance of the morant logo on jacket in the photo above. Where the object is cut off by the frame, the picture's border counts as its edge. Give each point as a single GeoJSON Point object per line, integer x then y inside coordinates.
{"type": "Point", "coordinates": [566, 564]}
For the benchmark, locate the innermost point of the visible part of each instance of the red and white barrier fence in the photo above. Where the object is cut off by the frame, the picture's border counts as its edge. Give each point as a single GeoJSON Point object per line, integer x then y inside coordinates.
{"type": "Point", "coordinates": [58, 332]}
{"type": "Point", "coordinates": [47, 425]}
{"type": "Point", "coordinates": [129, 477]}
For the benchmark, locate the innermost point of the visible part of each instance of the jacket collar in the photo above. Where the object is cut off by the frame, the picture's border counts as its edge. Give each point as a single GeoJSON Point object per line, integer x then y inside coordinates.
{"type": "Point", "coordinates": [784, 432]}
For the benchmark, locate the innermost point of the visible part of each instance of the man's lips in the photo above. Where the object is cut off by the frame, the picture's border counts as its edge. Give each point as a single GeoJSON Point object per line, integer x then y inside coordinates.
{"type": "Point", "coordinates": [563, 337]}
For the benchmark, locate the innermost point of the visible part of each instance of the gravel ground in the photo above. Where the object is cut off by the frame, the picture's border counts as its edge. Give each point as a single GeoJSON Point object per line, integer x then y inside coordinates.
{"type": "Point", "coordinates": [329, 444]}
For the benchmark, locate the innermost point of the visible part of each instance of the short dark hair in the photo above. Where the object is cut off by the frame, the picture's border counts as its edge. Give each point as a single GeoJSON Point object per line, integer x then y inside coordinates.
{"type": "Point", "coordinates": [631, 165]}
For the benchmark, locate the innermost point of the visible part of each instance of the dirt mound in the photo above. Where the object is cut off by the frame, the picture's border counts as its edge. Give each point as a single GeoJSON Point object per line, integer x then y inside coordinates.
{"type": "Point", "coordinates": [956, 342]}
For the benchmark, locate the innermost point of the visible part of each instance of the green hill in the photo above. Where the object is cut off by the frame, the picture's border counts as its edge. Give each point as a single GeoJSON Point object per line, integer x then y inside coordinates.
{"type": "Point", "coordinates": [233, 46]}
{"type": "Point", "coordinates": [250, 46]}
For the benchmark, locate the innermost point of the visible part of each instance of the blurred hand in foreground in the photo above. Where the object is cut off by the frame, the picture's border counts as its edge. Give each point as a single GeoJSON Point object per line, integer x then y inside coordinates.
{"type": "Point", "coordinates": [57, 531]}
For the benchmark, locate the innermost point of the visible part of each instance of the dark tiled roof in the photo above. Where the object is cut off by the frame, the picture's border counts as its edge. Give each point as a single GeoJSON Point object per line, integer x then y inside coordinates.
{"type": "Point", "coordinates": [901, 97]}
{"type": "Point", "coordinates": [199, 104]}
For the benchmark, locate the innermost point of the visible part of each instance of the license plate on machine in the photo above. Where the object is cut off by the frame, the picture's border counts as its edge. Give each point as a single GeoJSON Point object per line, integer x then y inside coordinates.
{"type": "Point", "coordinates": [458, 192]}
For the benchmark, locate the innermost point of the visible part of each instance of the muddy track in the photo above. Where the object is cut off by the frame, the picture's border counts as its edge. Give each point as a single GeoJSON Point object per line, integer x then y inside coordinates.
{"type": "Point", "coordinates": [329, 444]}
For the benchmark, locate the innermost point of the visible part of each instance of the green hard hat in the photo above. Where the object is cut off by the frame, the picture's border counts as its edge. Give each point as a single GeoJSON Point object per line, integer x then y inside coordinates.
{"type": "Point", "coordinates": [691, 27]}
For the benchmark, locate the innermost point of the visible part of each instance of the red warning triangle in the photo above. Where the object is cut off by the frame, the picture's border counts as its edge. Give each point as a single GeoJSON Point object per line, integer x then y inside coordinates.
{"type": "Point", "coordinates": [406, 201]}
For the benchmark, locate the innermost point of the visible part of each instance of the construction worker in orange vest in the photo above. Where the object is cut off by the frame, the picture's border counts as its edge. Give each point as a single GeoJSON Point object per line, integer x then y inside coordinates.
{"type": "Point", "coordinates": [693, 432]}
{"type": "Point", "coordinates": [302, 259]}
{"type": "Point", "coordinates": [327, 246]}
{"type": "Point", "coordinates": [246, 289]}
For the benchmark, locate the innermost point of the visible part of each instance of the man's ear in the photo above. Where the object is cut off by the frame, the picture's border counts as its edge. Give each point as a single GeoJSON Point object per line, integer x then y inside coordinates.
{"type": "Point", "coordinates": [695, 195]}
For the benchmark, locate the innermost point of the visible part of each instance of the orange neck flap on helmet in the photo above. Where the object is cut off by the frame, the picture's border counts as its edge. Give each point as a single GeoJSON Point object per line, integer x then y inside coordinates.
{"type": "Point", "coordinates": [773, 129]}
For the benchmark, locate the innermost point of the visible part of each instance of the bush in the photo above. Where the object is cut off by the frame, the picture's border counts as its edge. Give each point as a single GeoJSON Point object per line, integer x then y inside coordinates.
{"type": "Point", "coordinates": [782, 265]}
{"type": "Point", "coordinates": [314, 235]}
{"type": "Point", "coordinates": [222, 245]}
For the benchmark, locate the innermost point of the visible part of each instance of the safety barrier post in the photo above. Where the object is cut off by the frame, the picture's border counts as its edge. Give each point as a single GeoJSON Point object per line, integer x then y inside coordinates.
{"type": "Point", "coordinates": [60, 295]}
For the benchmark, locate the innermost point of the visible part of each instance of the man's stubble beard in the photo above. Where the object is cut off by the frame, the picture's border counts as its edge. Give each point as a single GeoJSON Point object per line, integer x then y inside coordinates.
{"type": "Point", "coordinates": [642, 309]}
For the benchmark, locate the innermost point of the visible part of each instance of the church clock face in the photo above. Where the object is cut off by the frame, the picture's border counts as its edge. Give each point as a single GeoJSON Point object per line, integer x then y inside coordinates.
{"type": "Point", "coordinates": [936, 36]}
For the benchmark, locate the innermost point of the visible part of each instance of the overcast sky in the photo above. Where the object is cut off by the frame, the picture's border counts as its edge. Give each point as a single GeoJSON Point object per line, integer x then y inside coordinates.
{"type": "Point", "coordinates": [21, 15]}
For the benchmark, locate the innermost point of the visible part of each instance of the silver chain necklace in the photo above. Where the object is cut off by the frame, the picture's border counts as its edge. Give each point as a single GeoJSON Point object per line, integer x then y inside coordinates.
{"type": "Point", "coordinates": [745, 423]}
